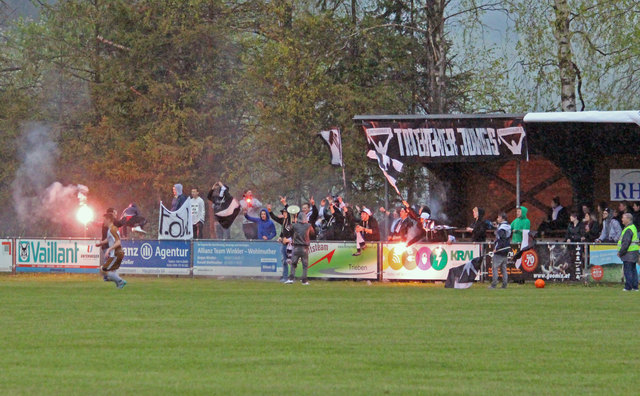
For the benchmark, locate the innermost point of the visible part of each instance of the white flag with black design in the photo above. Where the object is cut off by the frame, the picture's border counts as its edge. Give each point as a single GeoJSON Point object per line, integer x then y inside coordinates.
{"type": "Point", "coordinates": [175, 225]}
{"type": "Point", "coordinates": [379, 138]}
{"type": "Point", "coordinates": [390, 172]}
{"type": "Point", "coordinates": [334, 141]}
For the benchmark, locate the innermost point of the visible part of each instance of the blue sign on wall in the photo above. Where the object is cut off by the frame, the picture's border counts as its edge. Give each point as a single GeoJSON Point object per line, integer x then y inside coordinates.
{"type": "Point", "coordinates": [236, 258]}
{"type": "Point", "coordinates": [156, 257]}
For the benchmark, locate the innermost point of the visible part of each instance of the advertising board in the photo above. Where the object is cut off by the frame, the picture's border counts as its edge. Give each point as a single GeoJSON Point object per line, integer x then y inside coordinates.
{"type": "Point", "coordinates": [7, 251]}
{"type": "Point", "coordinates": [57, 255]}
{"type": "Point", "coordinates": [164, 257]}
{"type": "Point", "coordinates": [329, 259]}
{"type": "Point", "coordinates": [237, 258]}
{"type": "Point", "coordinates": [425, 261]}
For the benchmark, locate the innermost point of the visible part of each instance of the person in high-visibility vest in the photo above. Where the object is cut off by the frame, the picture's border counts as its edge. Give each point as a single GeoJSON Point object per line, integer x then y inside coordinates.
{"type": "Point", "coordinates": [628, 252]}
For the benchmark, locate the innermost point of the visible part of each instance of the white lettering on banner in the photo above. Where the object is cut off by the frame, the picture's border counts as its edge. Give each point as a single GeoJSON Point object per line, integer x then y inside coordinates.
{"type": "Point", "coordinates": [175, 252]}
{"type": "Point", "coordinates": [130, 251]}
{"type": "Point", "coordinates": [262, 251]}
{"type": "Point", "coordinates": [317, 247]}
{"type": "Point", "coordinates": [624, 184]}
{"type": "Point", "coordinates": [439, 142]}
{"type": "Point", "coordinates": [398, 133]}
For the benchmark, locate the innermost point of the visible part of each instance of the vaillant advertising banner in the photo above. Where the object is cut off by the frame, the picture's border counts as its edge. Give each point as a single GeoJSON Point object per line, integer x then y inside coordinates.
{"type": "Point", "coordinates": [6, 255]}
{"type": "Point", "coordinates": [237, 258]}
{"type": "Point", "coordinates": [425, 261]}
{"type": "Point", "coordinates": [328, 259]}
{"type": "Point", "coordinates": [164, 257]}
{"type": "Point", "coordinates": [57, 255]}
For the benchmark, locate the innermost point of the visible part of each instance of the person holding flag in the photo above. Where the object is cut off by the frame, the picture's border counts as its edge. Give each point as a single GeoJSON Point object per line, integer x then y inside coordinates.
{"type": "Point", "coordinates": [225, 209]}
{"type": "Point", "coordinates": [178, 197]}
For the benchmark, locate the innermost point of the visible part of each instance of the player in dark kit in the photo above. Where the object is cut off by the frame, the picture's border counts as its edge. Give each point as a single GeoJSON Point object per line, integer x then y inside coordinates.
{"type": "Point", "coordinates": [114, 253]}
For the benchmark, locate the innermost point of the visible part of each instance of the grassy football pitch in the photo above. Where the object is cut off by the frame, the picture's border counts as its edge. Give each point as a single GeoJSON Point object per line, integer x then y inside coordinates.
{"type": "Point", "coordinates": [78, 335]}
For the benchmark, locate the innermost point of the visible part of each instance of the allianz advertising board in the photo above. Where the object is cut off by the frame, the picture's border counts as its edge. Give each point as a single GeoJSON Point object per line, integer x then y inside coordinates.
{"type": "Point", "coordinates": [163, 257]}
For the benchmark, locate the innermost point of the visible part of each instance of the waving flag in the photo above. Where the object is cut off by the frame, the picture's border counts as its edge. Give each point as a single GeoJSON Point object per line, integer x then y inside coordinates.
{"type": "Point", "coordinates": [378, 139]}
{"type": "Point", "coordinates": [334, 141]}
{"type": "Point", "coordinates": [175, 225]}
{"type": "Point", "coordinates": [225, 206]}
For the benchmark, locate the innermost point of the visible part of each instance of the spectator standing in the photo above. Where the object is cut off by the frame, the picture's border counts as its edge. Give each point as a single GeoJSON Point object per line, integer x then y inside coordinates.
{"type": "Point", "coordinates": [335, 222]}
{"type": "Point", "coordinates": [251, 206]}
{"type": "Point", "coordinates": [500, 251]}
{"type": "Point", "coordinates": [628, 252]}
{"type": "Point", "coordinates": [310, 210]}
{"type": "Point", "coordinates": [178, 197]}
{"type": "Point", "coordinates": [623, 207]}
{"type": "Point", "coordinates": [286, 233]}
{"type": "Point", "coordinates": [557, 219]}
{"type": "Point", "coordinates": [478, 228]}
{"type": "Point", "coordinates": [225, 209]}
{"type": "Point", "coordinates": [402, 227]}
{"type": "Point", "coordinates": [520, 224]}
{"type": "Point", "coordinates": [387, 222]}
{"type": "Point", "coordinates": [575, 229]}
{"type": "Point", "coordinates": [197, 214]}
{"type": "Point", "coordinates": [591, 228]}
{"type": "Point", "coordinates": [610, 228]}
{"type": "Point", "coordinates": [350, 221]}
{"type": "Point", "coordinates": [302, 232]}
{"type": "Point", "coordinates": [636, 214]}
{"type": "Point", "coordinates": [599, 209]}
{"type": "Point", "coordinates": [266, 228]}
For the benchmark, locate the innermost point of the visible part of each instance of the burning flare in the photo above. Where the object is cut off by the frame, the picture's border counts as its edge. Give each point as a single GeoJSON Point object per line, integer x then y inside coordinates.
{"type": "Point", "coordinates": [84, 214]}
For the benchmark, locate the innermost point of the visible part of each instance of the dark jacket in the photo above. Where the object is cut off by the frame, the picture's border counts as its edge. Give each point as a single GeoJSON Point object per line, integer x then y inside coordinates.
{"type": "Point", "coordinates": [575, 232]}
{"type": "Point", "coordinates": [561, 221]}
{"type": "Point", "coordinates": [371, 224]}
{"type": "Point", "coordinates": [402, 228]}
{"type": "Point", "coordinates": [479, 233]}
{"type": "Point", "coordinates": [349, 225]}
{"type": "Point", "coordinates": [503, 239]}
{"type": "Point", "coordinates": [636, 219]}
{"type": "Point", "coordinates": [179, 200]}
{"type": "Point", "coordinates": [594, 231]}
{"type": "Point", "coordinates": [287, 229]}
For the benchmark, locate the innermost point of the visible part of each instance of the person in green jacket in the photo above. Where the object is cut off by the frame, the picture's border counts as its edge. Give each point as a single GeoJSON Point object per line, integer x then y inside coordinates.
{"type": "Point", "coordinates": [520, 223]}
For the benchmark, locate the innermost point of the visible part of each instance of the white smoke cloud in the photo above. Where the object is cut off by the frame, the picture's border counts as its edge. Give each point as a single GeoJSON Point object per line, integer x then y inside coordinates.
{"type": "Point", "coordinates": [36, 194]}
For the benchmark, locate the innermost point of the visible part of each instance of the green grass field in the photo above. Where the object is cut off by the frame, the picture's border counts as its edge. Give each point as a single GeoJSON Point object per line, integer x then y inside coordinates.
{"type": "Point", "coordinates": [78, 335]}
